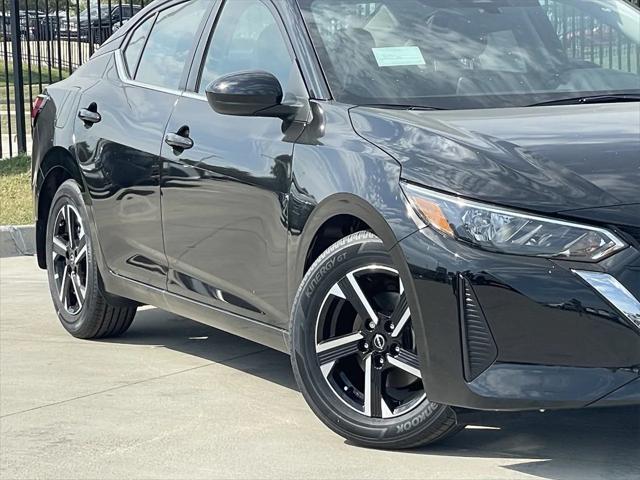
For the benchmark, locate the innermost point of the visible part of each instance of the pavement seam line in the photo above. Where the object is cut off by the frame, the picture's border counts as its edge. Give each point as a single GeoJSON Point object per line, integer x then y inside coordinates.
{"type": "Point", "coordinates": [119, 387]}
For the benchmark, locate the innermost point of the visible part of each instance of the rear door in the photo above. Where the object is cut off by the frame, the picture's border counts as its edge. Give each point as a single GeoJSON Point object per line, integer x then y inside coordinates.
{"type": "Point", "coordinates": [224, 199]}
{"type": "Point", "coordinates": [119, 132]}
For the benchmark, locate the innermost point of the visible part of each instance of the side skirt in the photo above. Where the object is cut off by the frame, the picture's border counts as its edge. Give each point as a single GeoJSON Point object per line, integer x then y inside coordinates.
{"type": "Point", "coordinates": [258, 332]}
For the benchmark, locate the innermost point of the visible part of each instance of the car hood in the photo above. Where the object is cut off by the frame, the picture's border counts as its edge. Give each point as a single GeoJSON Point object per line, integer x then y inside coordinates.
{"type": "Point", "coordinates": [549, 159]}
{"type": "Point", "coordinates": [627, 217]}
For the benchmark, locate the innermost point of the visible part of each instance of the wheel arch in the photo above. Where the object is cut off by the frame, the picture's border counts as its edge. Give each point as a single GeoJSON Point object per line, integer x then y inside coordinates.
{"type": "Point", "coordinates": [58, 165]}
{"type": "Point", "coordinates": [380, 222]}
{"type": "Point", "coordinates": [334, 218]}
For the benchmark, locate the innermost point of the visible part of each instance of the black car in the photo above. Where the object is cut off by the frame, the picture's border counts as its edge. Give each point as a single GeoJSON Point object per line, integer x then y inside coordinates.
{"type": "Point", "coordinates": [26, 23]}
{"type": "Point", "coordinates": [433, 206]}
{"type": "Point", "coordinates": [48, 26]}
{"type": "Point", "coordinates": [96, 24]}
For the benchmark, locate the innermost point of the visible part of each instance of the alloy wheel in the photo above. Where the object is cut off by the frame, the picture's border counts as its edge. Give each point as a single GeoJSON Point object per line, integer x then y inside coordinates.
{"type": "Point", "coordinates": [365, 344]}
{"type": "Point", "coordinates": [69, 254]}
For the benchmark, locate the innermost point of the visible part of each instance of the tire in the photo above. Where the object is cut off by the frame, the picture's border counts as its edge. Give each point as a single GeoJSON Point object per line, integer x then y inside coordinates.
{"type": "Point", "coordinates": [335, 348]}
{"type": "Point", "coordinates": [84, 310]}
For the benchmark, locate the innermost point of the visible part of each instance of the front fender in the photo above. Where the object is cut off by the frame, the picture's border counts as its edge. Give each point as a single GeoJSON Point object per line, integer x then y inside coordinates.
{"type": "Point", "coordinates": [335, 172]}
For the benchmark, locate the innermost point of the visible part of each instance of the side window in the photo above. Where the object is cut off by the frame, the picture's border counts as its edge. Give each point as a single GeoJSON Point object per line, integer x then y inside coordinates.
{"type": "Point", "coordinates": [246, 37]}
{"type": "Point", "coordinates": [136, 44]}
{"type": "Point", "coordinates": [169, 44]}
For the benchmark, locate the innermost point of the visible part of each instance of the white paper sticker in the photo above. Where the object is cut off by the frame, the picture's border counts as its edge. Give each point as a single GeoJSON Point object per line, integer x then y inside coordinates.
{"type": "Point", "coordinates": [398, 56]}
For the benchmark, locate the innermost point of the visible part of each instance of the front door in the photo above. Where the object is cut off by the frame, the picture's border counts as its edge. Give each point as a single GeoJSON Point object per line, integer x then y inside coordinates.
{"type": "Point", "coordinates": [119, 138]}
{"type": "Point", "coordinates": [224, 199]}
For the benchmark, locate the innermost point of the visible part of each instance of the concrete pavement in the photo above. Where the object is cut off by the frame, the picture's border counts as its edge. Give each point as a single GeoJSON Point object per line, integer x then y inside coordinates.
{"type": "Point", "coordinates": [17, 240]}
{"type": "Point", "coordinates": [176, 399]}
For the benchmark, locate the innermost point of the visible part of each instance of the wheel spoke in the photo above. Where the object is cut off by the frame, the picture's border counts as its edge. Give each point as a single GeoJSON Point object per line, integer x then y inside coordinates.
{"type": "Point", "coordinates": [401, 316]}
{"type": "Point", "coordinates": [407, 361]}
{"type": "Point", "coordinates": [336, 291]}
{"type": "Point", "coordinates": [372, 389]}
{"type": "Point", "coordinates": [64, 288]}
{"type": "Point", "coordinates": [327, 368]}
{"type": "Point", "coordinates": [77, 290]}
{"type": "Point", "coordinates": [386, 411]}
{"type": "Point", "coordinates": [355, 295]}
{"type": "Point", "coordinates": [59, 247]}
{"type": "Point", "coordinates": [337, 348]}
{"type": "Point", "coordinates": [70, 224]}
{"type": "Point", "coordinates": [82, 249]}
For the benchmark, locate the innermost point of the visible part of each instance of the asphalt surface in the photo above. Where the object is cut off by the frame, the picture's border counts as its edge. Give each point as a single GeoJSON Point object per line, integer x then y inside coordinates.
{"type": "Point", "coordinates": [176, 399]}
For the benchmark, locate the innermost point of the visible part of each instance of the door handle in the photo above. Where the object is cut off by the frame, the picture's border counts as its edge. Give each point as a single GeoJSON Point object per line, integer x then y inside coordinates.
{"type": "Point", "coordinates": [179, 140]}
{"type": "Point", "coordinates": [90, 115]}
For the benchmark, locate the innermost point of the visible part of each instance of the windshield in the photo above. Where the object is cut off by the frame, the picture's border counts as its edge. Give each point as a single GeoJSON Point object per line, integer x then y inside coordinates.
{"type": "Point", "coordinates": [458, 54]}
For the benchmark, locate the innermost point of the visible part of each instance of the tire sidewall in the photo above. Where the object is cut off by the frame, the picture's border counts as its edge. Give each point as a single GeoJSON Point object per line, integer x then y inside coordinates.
{"type": "Point", "coordinates": [347, 255]}
{"type": "Point", "coordinates": [69, 194]}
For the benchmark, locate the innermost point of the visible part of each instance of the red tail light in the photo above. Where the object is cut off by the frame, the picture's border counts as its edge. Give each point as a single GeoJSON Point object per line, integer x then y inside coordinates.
{"type": "Point", "coordinates": [38, 105]}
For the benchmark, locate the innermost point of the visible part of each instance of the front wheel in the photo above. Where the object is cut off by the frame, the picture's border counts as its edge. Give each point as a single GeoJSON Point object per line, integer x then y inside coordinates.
{"type": "Point", "coordinates": [354, 351]}
{"type": "Point", "coordinates": [83, 308]}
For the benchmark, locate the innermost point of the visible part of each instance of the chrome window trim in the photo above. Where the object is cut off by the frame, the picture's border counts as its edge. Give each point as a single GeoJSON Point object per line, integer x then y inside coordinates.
{"type": "Point", "coordinates": [124, 78]}
{"type": "Point", "coordinates": [195, 96]}
{"type": "Point", "coordinates": [152, 17]}
{"type": "Point", "coordinates": [614, 292]}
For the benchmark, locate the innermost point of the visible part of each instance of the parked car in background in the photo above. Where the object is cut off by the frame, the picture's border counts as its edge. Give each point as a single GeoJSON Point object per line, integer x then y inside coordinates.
{"type": "Point", "coordinates": [27, 17]}
{"type": "Point", "coordinates": [429, 205]}
{"type": "Point", "coordinates": [100, 21]}
{"type": "Point", "coordinates": [48, 26]}
{"type": "Point", "coordinates": [27, 22]}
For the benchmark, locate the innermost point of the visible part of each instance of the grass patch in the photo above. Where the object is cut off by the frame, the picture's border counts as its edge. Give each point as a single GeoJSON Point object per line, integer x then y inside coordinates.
{"type": "Point", "coordinates": [37, 78]}
{"type": "Point", "coordinates": [15, 191]}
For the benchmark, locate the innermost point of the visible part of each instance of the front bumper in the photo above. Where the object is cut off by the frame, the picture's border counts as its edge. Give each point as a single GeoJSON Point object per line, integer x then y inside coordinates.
{"type": "Point", "coordinates": [502, 332]}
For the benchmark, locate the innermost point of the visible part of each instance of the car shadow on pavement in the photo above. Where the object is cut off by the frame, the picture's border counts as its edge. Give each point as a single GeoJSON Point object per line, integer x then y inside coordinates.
{"type": "Point", "coordinates": [599, 443]}
{"type": "Point", "coordinates": [557, 445]}
{"type": "Point", "coordinates": [155, 327]}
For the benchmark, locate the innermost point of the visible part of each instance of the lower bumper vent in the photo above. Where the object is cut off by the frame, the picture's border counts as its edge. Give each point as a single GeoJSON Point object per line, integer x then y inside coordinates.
{"type": "Point", "coordinates": [478, 346]}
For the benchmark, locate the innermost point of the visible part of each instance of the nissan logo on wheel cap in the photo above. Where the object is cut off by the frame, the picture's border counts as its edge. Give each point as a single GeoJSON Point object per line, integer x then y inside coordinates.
{"type": "Point", "coordinates": [379, 342]}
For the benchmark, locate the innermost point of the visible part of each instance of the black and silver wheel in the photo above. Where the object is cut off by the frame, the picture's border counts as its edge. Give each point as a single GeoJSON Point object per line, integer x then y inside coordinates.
{"type": "Point", "coordinates": [69, 259]}
{"type": "Point", "coordinates": [83, 308]}
{"type": "Point", "coordinates": [368, 355]}
{"type": "Point", "coordinates": [354, 349]}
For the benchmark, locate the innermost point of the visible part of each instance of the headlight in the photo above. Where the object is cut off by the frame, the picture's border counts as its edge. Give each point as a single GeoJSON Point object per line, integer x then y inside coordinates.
{"type": "Point", "coordinates": [507, 231]}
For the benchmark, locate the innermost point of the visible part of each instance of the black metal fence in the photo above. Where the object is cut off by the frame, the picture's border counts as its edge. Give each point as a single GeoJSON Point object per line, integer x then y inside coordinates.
{"type": "Point", "coordinates": [44, 41]}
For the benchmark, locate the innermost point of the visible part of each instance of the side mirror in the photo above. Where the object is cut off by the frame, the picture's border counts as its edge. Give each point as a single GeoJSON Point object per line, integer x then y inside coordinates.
{"type": "Point", "coordinates": [251, 93]}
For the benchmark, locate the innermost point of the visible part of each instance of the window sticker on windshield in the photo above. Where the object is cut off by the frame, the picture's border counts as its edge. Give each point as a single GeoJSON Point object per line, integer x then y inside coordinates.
{"type": "Point", "coordinates": [398, 56]}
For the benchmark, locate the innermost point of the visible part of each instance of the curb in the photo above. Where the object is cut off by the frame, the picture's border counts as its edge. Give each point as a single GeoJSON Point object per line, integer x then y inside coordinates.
{"type": "Point", "coordinates": [17, 241]}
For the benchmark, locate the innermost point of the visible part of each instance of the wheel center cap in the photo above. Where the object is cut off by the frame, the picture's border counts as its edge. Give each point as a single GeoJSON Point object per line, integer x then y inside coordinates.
{"type": "Point", "coordinates": [379, 342]}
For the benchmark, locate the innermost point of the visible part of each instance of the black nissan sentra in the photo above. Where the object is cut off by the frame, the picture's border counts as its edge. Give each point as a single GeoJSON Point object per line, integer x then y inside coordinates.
{"type": "Point", "coordinates": [431, 205]}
